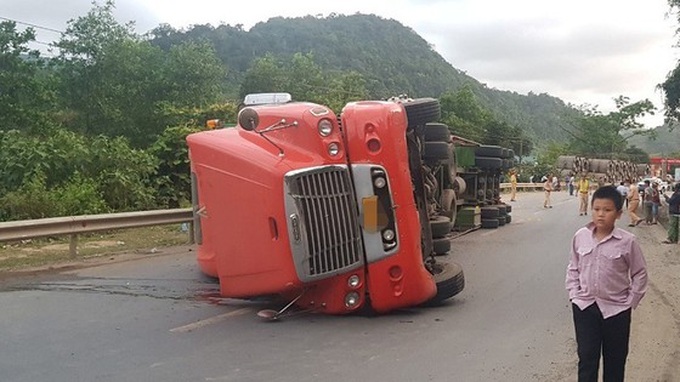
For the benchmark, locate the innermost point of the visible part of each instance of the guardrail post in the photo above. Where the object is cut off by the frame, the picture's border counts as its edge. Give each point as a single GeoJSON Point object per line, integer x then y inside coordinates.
{"type": "Point", "coordinates": [73, 245]}
{"type": "Point", "coordinates": [192, 238]}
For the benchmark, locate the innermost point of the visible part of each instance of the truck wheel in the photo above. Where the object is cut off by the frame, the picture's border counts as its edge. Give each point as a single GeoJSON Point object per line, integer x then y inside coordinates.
{"type": "Point", "coordinates": [441, 246]}
{"type": "Point", "coordinates": [501, 220]}
{"type": "Point", "coordinates": [502, 209]}
{"type": "Point", "coordinates": [450, 281]}
{"type": "Point", "coordinates": [437, 132]}
{"type": "Point", "coordinates": [436, 152]}
{"type": "Point", "coordinates": [440, 226]}
{"type": "Point", "coordinates": [508, 219]}
{"type": "Point", "coordinates": [421, 111]}
{"type": "Point", "coordinates": [490, 223]}
{"type": "Point", "coordinates": [448, 203]}
{"type": "Point", "coordinates": [488, 162]}
{"type": "Point", "coordinates": [508, 208]}
{"type": "Point", "coordinates": [489, 151]}
{"type": "Point", "coordinates": [489, 212]}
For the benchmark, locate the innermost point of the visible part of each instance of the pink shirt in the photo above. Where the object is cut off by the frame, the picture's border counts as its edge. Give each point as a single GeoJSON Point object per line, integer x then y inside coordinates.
{"type": "Point", "coordinates": [612, 272]}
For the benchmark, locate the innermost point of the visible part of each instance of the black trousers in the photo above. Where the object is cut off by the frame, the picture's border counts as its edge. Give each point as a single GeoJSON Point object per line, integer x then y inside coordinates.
{"type": "Point", "coordinates": [596, 335]}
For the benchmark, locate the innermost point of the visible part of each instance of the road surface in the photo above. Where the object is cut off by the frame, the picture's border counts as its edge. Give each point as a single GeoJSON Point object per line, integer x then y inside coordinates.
{"type": "Point", "coordinates": [155, 318]}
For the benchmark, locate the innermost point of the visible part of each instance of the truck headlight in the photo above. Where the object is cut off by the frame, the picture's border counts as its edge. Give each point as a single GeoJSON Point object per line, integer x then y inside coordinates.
{"type": "Point", "coordinates": [351, 299]}
{"type": "Point", "coordinates": [388, 235]}
{"type": "Point", "coordinates": [379, 182]}
{"type": "Point", "coordinates": [353, 281]}
{"type": "Point", "coordinates": [325, 127]}
{"type": "Point", "coordinates": [333, 149]}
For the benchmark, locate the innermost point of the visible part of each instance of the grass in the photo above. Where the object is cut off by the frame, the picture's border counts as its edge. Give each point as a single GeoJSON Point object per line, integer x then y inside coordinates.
{"type": "Point", "coordinates": [48, 252]}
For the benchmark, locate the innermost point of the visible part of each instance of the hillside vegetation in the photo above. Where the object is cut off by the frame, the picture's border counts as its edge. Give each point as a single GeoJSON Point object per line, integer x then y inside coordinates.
{"type": "Point", "coordinates": [392, 59]}
{"type": "Point", "coordinates": [101, 127]}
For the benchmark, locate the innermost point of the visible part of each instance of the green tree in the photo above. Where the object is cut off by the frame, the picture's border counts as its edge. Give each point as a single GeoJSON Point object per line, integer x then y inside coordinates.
{"type": "Point", "coordinates": [116, 84]}
{"type": "Point", "coordinates": [26, 95]}
{"type": "Point", "coordinates": [597, 134]}
{"type": "Point", "coordinates": [305, 80]}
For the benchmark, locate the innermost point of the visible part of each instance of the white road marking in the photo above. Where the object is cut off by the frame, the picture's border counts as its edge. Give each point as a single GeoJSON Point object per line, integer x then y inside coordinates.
{"type": "Point", "coordinates": [210, 321]}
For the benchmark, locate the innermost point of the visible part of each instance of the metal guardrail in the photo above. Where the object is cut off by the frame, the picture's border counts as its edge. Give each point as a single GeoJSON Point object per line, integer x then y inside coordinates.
{"type": "Point", "coordinates": [523, 186]}
{"type": "Point", "coordinates": [74, 225]}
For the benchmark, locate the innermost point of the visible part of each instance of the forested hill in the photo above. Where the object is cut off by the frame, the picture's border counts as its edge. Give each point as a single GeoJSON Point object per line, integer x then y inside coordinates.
{"type": "Point", "coordinates": [392, 58]}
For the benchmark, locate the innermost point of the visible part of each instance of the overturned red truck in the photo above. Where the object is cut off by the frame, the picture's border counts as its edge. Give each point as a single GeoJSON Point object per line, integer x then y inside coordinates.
{"type": "Point", "coordinates": [334, 213]}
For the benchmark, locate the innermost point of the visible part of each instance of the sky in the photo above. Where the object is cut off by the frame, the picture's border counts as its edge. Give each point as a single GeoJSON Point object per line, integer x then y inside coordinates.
{"type": "Point", "coordinates": [585, 52]}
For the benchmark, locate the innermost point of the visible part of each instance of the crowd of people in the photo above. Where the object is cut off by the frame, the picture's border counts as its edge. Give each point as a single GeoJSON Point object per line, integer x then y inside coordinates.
{"type": "Point", "coordinates": [648, 195]}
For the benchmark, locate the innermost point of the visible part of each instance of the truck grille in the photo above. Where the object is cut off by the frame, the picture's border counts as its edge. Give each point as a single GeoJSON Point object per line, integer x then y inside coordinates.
{"type": "Point", "coordinates": [328, 220]}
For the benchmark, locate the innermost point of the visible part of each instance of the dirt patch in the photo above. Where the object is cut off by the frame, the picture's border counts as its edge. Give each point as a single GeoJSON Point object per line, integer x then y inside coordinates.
{"type": "Point", "coordinates": [31, 254]}
{"type": "Point", "coordinates": [655, 337]}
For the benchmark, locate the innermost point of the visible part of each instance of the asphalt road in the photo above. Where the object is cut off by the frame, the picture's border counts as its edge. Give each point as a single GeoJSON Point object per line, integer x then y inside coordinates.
{"type": "Point", "coordinates": [156, 318]}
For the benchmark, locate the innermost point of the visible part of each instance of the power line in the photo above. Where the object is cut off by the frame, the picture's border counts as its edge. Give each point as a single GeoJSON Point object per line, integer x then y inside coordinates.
{"type": "Point", "coordinates": [32, 25]}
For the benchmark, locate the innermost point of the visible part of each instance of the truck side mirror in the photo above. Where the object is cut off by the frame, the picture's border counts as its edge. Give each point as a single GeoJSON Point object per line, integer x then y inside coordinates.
{"type": "Point", "coordinates": [248, 119]}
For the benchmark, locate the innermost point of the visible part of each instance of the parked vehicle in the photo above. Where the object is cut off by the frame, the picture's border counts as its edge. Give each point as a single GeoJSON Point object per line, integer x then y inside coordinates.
{"type": "Point", "coordinates": [334, 213]}
{"type": "Point", "coordinates": [663, 185]}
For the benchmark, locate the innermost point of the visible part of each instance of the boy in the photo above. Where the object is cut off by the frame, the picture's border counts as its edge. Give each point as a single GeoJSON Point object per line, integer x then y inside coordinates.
{"type": "Point", "coordinates": [606, 279]}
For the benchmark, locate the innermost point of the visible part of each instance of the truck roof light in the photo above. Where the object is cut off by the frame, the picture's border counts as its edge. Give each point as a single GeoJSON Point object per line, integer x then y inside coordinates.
{"type": "Point", "coordinates": [266, 98]}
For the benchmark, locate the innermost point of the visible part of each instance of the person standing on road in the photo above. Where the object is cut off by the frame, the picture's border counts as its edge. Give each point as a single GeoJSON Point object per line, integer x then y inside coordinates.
{"type": "Point", "coordinates": [633, 198]}
{"type": "Point", "coordinates": [606, 279]}
{"type": "Point", "coordinates": [583, 191]}
{"type": "Point", "coordinates": [547, 189]}
{"type": "Point", "coordinates": [623, 190]}
{"type": "Point", "coordinates": [513, 185]}
{"type": "Point", "coordinates": [647, 201]}
{"type": "Point", "coordinates": [656, 202]}
{"type": "Point", "coordinates": [673, 215]}
{"type": "Point", "coordinates": [570, 185]}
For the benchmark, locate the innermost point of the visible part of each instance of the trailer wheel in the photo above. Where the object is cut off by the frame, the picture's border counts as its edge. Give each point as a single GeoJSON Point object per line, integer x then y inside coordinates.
{"type": "Point", "coordinates": [489, 212]}
{"type": "Point", "coordinates": [489, 151]}
{"type": "Point", "coordinates": [450, 281]}
{"type": "Point", "coordinates": [448, 203]}
{"type": "Point", "coordinates": [440, 226]}
{"type": "Point", "coordinates": [436, 152]}
{"type": "Point", "coordinates": [488, 162]}
{"type": "Point", "coordinates": [421, 111]}
{"type": "Point", "coordinates": [490, 223]}
{"type": "Point", "coordinates": [501, 220]}
{"type": "Point", "coordinates": [441, 246]}
{"type": "Point", "coordinates": [437, 132]}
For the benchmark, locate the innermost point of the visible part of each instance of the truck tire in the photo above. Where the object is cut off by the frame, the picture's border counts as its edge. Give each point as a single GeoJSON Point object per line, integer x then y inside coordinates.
{"type": "Point", "coordinates": [440, 226]}
{"type": "Point", "coordinates": [490, 223]}
{"type": "Point", "coordinates": [436, 152]}
{"type": "Point", "coordinates": [449, 279]}
{"type": "Point", "coordinates": [508, 219]}
{"type": "Point", "coordinates": [488, 162]}
{"type": "Point", "coordinates": [437, 132]}
{"type": "Point", "coordinates": [441, 246]}
{"type": "Point", "coordinates": [421, 111]}
{"type": "Point", "coordinates": [489, 212]}
{"type": "Point", "coordinates": [508, 208]}
{"type": "Point", "coordinates": [449, 204]}
{"type": "Point", "coordinates": [502, 209]}
{"type": "Point", "coordinates": [489, 151]}
{"type": "Point", "coordinates": [501, 220]}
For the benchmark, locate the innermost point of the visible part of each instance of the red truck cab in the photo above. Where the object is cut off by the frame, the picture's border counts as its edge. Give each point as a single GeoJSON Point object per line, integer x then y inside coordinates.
{"type": "Point", "coordinates": [319, 209]}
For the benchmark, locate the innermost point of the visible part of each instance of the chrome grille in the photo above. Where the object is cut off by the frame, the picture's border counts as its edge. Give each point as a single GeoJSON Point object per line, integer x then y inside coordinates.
{"type": "Point", "coordinates": [328, 219]}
